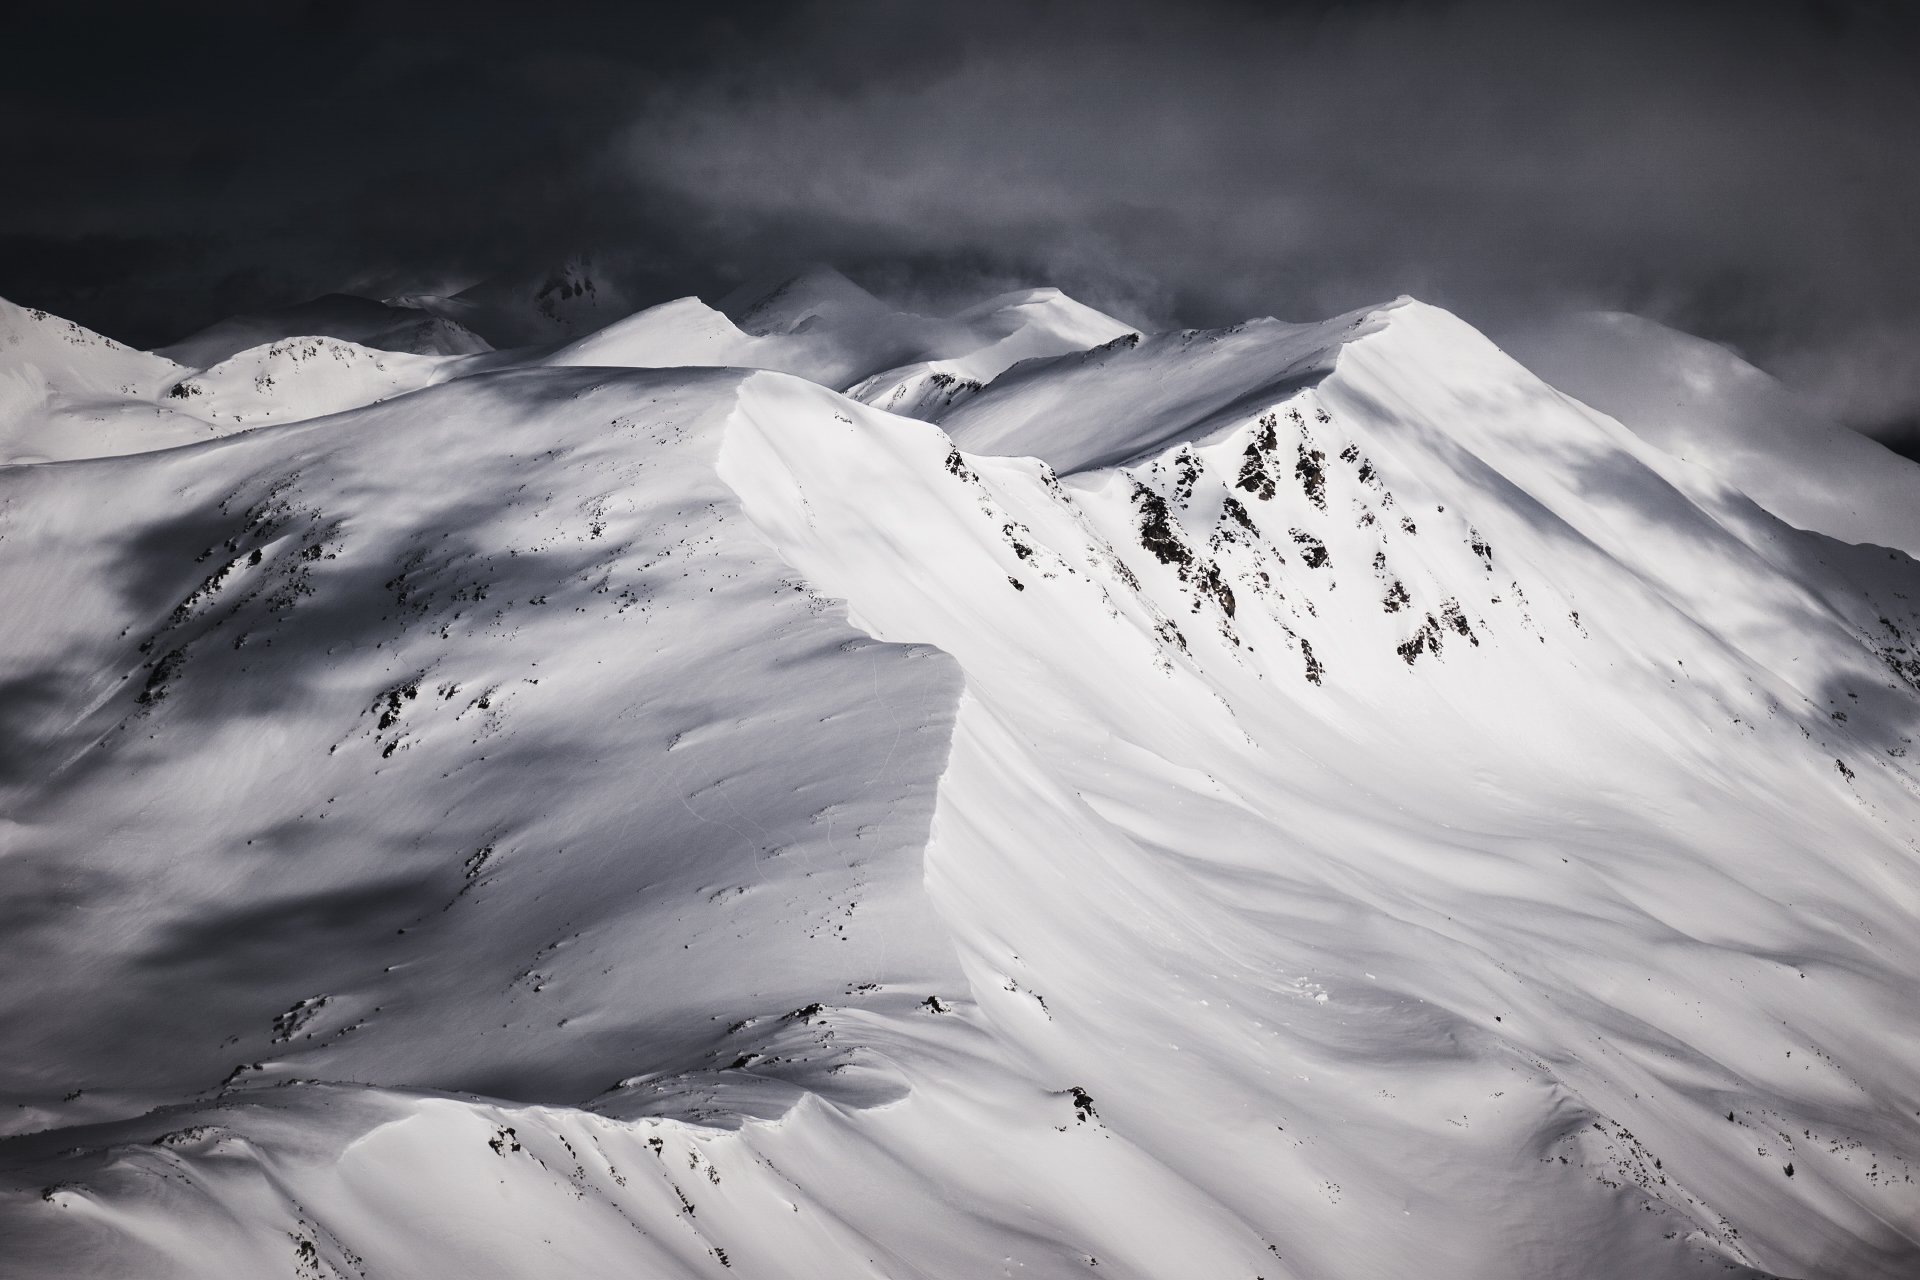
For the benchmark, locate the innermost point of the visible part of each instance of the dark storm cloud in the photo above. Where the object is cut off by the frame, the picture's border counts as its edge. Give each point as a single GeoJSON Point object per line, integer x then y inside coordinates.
{"type": "Point", "coordinates": [1741, 169]}
{"type": "Point", "coordinates": [168, 164]}
{"type": "Point", "coordinates": [1747, 170]}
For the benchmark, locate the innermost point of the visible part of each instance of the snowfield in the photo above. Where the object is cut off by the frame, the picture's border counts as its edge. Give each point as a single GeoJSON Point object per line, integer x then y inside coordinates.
{"type": "Point", "coordinates": [709, 798]}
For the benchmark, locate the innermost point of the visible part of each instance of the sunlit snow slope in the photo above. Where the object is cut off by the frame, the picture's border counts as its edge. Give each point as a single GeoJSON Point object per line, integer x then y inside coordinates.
{"type": "Point", "coordinates": [827, 329]}
{"type": "Point", "coordinates": [340, 316]}
{"type": "Point", "coordinates": [1293, 801]}
{"type": "Point", "coordinates": [68, 392]}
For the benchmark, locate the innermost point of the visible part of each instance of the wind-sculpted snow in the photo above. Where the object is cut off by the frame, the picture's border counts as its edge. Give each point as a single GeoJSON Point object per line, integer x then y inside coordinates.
{"type": "Point", "coordinates": [1170, 384]}
{"type": "Point", "coordinates": [327, 759]}
{"type": "Point", "coordinates": [1447, 793]}
{"type": "Point", "coordinates": [1341, 809]}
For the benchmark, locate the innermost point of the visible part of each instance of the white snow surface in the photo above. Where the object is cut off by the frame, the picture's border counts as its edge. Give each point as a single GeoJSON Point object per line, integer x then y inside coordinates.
{"type": "Point", "coordinates": [379, 325]}
{"type": "Point", "coordinates": [1699, 401]}
{"type": "Point", "coordinates": [825, 328]}
{"type": "Point", "coordinates": [1292, 801]}
{"type": "Point", "coordinates": [67, 392]}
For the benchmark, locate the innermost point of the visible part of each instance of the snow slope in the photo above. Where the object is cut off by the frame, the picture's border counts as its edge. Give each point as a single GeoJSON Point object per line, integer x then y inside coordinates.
{"type": "Point", "coordinates": [1294, 801]}
{"type": "Point", "coordinates": [1029, 325]}
{"type": "Point", "coordinates": [68, 392]}
{"type": "Point", "coordinates": [1699, 401]}
{"type": "Point", "coordinates": [1224, 845]}
{"type": "Point", "coordinates": [307, 377]}
{"type": "Point", "coordinates": [363, 321]}
{"type": "Point", "coordinates": [825, 328]}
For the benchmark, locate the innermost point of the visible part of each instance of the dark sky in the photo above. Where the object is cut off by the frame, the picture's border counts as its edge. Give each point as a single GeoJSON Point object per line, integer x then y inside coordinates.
{"type": "Point", "coordinates": [1747, 170]}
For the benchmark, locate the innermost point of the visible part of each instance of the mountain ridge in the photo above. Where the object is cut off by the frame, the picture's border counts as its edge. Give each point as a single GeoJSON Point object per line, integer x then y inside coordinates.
{"type": "Point", "coordinates": [1350, 813]}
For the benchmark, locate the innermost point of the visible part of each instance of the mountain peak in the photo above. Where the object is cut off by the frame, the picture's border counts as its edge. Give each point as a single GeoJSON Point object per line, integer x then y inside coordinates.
{"type": "Point", "coordinates": [348, 317]}
{"type": "Point", "coordinates": [535, 308]}
{"type": "Point", "coordinates": [646, 808]}
{"type": "Point", "coordinates": [782, 303]}
{"type": "Point", "coordinates": [1040, 296]}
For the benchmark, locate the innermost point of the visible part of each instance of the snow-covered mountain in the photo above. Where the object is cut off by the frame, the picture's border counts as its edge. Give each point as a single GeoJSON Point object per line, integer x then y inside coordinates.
{"type": "Point", "coordinates": [547, 307]}
{"type": "Point", "coordinates": [1701, 402]}
{"type": "Point", "coordinates": [68, 392]}
{"type": "Point", "coordinates": [1296, 800]}
{"type": "Point", "coordinates": [382, 326]}
{"type": "Point", "coordinates": [823, 327]}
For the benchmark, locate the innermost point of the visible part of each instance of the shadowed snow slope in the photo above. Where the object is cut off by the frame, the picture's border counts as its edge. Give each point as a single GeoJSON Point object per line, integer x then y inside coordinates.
{"type": "Point", "coordinates": [1699, 401]}
{"type": "Point", "coordinates": [1300, 801]}
{"type": "Point", "coordinates": [532, 310]}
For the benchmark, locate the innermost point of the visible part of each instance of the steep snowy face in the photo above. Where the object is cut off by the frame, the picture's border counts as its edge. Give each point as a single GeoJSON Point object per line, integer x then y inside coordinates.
{"type": "Point", "coordinates": [1148, 395]}
{"type": "Point", "coordinates": [1700, 402]}
{"type": "Point", "coordinates": [684, 332]}
{"type": "Point", "coordinates": [1413, 768]}
{"type": "Point", "coordinates": [1292, 801]}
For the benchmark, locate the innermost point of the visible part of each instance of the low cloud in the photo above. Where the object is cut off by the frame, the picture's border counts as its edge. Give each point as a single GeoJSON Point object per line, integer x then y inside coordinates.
{"type": "Point", "coordinates": [1741, 170]}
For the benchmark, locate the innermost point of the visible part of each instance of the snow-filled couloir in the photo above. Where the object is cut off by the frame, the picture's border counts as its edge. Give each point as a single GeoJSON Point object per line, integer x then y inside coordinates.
{"type": "Point", "coordinates": [1285, 801]}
